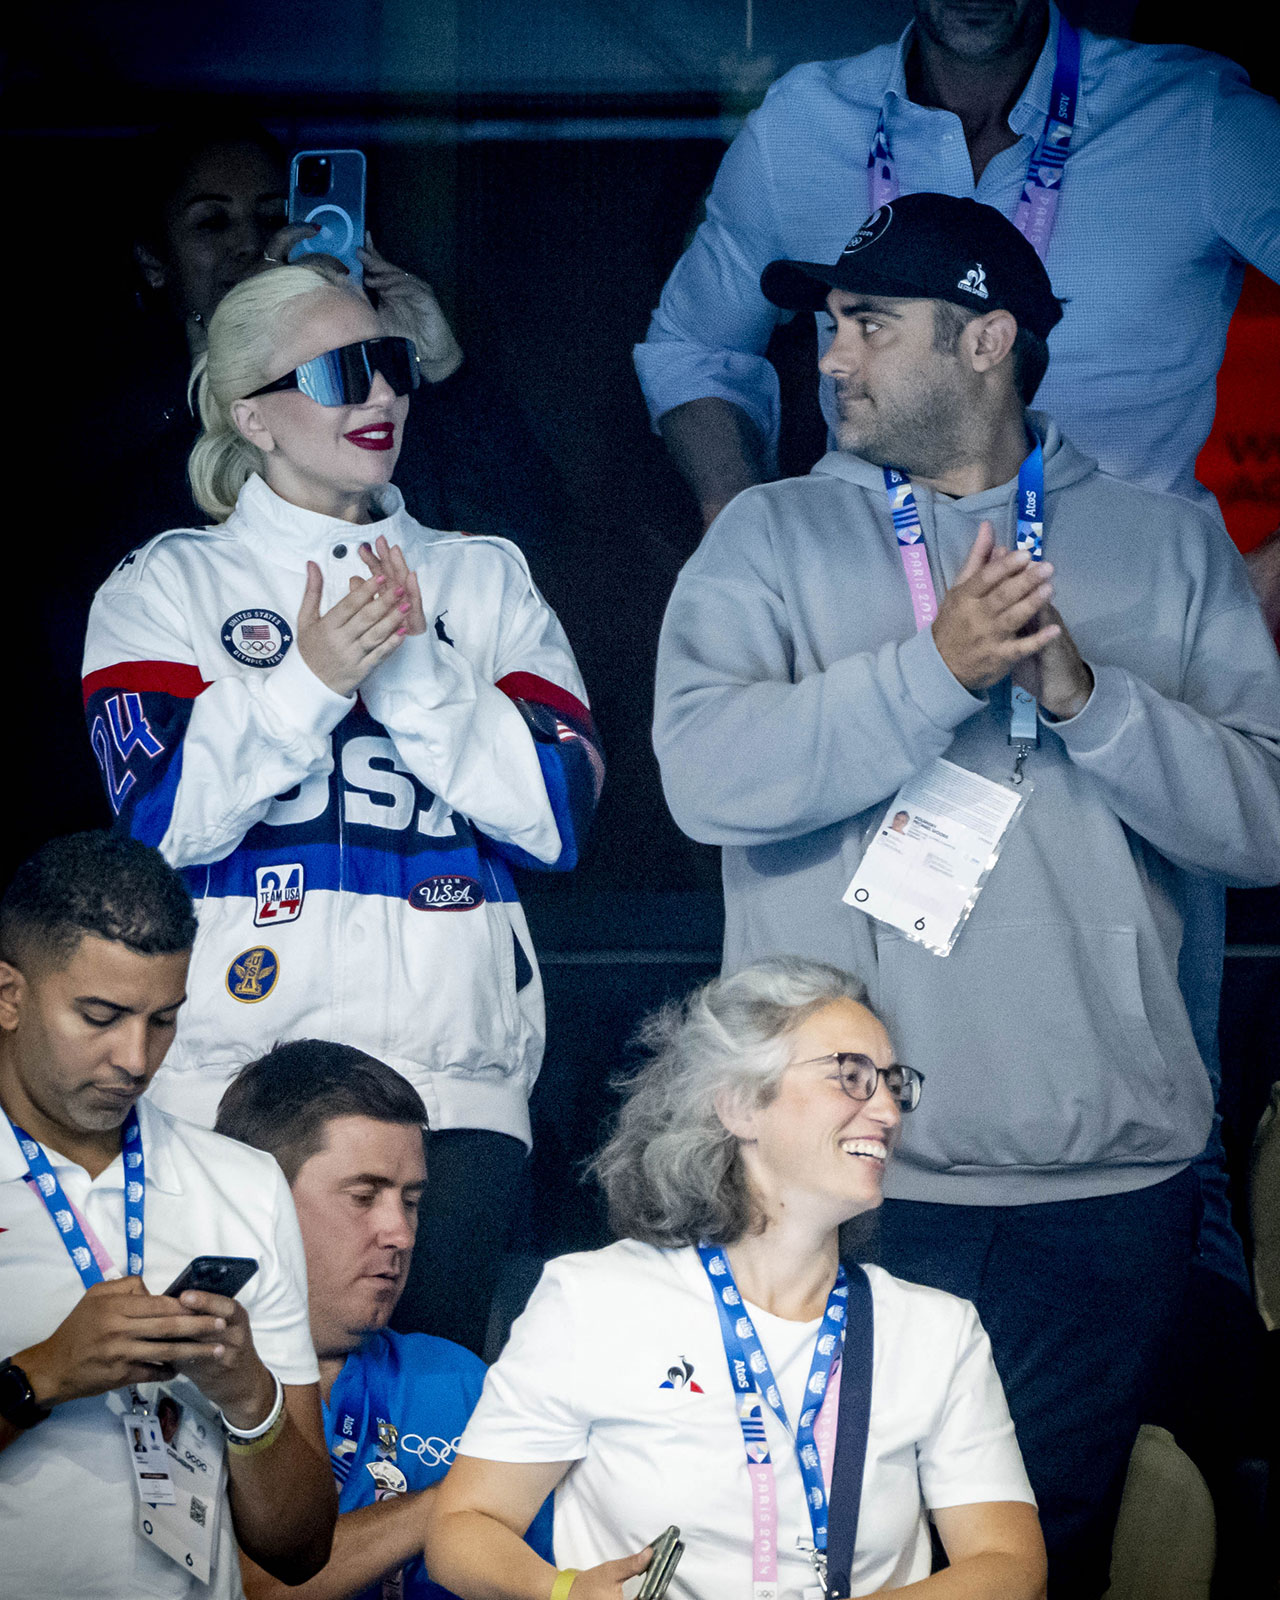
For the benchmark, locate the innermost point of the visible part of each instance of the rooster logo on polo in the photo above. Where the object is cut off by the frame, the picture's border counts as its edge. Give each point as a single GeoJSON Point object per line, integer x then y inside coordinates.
{"type": "Point", "coordinates": [681, 1377]}
{"type": "Point", "coordinates": [252, 975]}
{"type": "Point", "coordinates": [974, 282]}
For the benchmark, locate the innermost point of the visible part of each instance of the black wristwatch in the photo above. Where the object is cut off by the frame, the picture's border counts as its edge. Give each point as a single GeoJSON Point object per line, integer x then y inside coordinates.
{"type": "Point", "coordinates": [17, 1398]}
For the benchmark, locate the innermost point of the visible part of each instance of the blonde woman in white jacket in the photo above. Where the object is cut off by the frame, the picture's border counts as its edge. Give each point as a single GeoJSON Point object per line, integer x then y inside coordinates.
{"type": "Point", "coordinates": [347, 728]}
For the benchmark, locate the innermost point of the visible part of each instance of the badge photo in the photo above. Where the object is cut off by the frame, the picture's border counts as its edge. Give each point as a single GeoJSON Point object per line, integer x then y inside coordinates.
{"type": "Point", "coordinates": [256, 638]}
{"type": "Point", "coordinates": [280, 893]}
{"type": "Point", "coordinates": [252, 975]}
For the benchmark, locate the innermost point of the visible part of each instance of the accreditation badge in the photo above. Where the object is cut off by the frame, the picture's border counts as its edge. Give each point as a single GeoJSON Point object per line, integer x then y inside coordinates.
{"type": "Point", "coordinates": [186, 1528]}
{"type": "Point", "coordinates": [933, 851]}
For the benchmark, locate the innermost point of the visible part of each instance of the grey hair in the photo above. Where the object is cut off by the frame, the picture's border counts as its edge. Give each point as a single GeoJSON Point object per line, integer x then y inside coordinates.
{"type": "Point", "coordinates": [672, 1172]}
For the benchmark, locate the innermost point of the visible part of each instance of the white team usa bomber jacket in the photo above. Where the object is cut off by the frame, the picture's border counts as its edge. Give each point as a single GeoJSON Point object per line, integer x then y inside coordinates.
{"type": "Point", "coordinates": [350, 856]}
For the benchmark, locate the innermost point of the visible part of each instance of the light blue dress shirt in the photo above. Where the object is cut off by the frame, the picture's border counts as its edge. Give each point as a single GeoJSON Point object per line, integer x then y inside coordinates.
{"type": "Point", "coordinates": [1172, 183]}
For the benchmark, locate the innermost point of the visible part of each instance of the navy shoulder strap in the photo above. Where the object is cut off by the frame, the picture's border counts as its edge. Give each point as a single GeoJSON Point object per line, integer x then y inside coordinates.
{"type": "Point", "coordinates": [852, 1427]}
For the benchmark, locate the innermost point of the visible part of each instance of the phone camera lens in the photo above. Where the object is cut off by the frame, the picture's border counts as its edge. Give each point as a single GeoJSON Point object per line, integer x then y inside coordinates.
{"type": "Point", "coordinates": [314, 176]}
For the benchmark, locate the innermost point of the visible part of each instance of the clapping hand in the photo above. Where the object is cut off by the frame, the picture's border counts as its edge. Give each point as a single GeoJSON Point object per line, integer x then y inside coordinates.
{"type": "Point", "coordinates": [979, 626]}
{"type": "Point", "coordinates": [368, 624]}
{"type": "Point", "coordinates": [387, 562]}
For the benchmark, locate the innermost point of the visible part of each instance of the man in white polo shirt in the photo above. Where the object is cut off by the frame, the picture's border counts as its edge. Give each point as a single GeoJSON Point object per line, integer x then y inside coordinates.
{"type": "Point", "coordinates": [141, 1437]}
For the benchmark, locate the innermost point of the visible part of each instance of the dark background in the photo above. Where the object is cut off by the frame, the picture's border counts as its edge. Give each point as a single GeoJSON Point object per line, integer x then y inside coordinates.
{"type": "Point", "coordinates": [541, 165]}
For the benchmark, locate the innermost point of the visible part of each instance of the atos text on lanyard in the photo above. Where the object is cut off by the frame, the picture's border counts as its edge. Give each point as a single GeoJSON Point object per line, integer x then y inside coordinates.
{"type": "Point", "coordinates": [814, 1433]}
{"type": "Point", "coordinates": [1038, 206]}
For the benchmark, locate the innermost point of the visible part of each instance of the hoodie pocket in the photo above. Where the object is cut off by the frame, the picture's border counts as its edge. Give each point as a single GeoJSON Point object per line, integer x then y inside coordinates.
{"type": "Point", "coordinates": [1039, 1052]}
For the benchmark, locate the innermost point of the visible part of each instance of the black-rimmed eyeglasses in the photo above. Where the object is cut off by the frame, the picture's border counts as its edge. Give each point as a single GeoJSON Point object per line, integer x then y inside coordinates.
{"type": "Point", "coordinates": [859, 1077]}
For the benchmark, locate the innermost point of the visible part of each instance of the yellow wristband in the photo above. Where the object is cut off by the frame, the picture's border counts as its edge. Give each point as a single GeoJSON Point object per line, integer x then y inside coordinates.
{"type": "Point", "coordinates": [564, 1582]}
{"type": "Point", "coordinates": [264, 1442]}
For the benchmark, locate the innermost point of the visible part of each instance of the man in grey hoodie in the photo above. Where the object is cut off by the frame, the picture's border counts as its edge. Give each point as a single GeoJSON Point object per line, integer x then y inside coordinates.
{"type": "Point", "coordinates": [802, 682]}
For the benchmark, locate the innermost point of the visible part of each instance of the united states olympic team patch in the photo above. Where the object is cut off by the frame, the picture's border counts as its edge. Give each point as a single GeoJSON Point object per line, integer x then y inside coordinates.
{"type": "Point", "coordinates": [257, 638]}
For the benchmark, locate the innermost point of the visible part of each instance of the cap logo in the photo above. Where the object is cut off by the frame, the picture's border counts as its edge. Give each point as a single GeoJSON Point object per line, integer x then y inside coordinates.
{"type": "Point", "coordinates": [871, 230]}
{"type": "Point", "coordinates": [974, 282]}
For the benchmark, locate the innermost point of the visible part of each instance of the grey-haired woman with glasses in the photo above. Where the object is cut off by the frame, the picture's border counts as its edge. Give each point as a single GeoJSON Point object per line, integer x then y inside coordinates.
{"type": "Point", "coordinates": [702, 1371]}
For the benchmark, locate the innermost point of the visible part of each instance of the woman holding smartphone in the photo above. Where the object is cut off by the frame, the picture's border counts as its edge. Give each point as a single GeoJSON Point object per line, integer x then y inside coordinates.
{"type": "Point", "coordinates": [692, 1373]}
{"type": "Point", "coordinates": [348, 728]}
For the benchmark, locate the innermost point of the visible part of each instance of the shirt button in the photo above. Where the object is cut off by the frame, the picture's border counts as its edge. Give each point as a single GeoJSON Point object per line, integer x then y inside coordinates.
{"type": "Point", "coordinates": [339, 551]}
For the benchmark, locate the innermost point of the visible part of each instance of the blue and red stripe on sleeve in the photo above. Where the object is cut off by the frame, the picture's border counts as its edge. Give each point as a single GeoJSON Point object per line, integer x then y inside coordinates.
{"type": "Point", "coordinates": [571, 759]}
{"type": "Point", "coordinates": [137, 714]}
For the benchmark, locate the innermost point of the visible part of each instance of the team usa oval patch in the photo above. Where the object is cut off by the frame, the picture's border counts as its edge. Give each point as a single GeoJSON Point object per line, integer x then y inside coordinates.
{"type": "Point", "coordinates": [449, 891]}
{"type": "Point", "coordinates": [256, 638]}
{"type": "Point", "coordinates": [252, 975]}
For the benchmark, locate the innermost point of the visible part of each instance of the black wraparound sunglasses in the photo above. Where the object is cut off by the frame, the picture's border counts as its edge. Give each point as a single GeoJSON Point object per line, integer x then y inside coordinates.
{"type": "Point", "coordinates": [344, 377]}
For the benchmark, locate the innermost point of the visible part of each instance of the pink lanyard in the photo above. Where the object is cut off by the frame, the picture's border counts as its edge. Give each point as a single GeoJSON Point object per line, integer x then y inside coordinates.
{"type": "Point", "coordinates": [1038, 205]}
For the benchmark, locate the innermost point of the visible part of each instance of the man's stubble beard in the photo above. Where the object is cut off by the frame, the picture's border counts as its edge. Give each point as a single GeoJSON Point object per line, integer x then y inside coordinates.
{"type": "Point", "coordinates": [925, 438]}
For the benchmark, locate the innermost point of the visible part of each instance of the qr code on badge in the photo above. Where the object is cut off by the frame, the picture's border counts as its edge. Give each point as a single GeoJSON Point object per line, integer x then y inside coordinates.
{"type": "Point", "coordinates": [199, 1511]}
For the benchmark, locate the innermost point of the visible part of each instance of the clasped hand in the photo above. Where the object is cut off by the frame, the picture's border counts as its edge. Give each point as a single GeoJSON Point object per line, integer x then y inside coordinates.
{"type": "Point", "coordinates": [118, 1335]}
{"type": "Point", "coordinates": [998, 620]}
{"type": "Point", "coordinates": [369, 623]}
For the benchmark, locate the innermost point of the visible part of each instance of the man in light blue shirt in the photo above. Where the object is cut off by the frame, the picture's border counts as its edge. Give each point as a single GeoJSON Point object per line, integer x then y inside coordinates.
{"type": "Point", "coordinates": [1171, 184]}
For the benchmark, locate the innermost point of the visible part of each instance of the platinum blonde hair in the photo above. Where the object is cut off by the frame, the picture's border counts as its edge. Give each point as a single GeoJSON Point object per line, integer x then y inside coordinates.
{"type": "Point", "coordinates": [672, 1172]}
{"type": "Point", "coordinates": [239, 359]}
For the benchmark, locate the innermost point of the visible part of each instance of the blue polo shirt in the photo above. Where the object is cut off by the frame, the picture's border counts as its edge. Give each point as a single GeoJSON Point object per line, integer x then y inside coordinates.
{"type": "Point", "coordinates": [393, 1422]}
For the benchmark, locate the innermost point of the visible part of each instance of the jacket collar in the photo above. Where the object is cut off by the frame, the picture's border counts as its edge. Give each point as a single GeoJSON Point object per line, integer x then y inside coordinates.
{"type": "Point", "coordinates": [295, 536]}
{"type": "Point", "coordinates": [1027, 116]}
{"type": "Point", "coordinates": [161, 1167]}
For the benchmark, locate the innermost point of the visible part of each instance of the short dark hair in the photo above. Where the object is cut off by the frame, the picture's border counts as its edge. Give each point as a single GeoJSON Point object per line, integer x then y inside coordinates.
{"type": "Point", "coordinates": [283, 1102]}
{"type": "Point", "coordinates": [1029, 358]}
{"type": "Point", "coordinates": [101, 883]}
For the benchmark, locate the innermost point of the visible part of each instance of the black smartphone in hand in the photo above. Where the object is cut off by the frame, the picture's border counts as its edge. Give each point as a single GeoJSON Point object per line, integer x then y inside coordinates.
{"type": "Point", "coordinates": [667, 1551]}
{"type": "Point", "coordinates": [214, 1275]}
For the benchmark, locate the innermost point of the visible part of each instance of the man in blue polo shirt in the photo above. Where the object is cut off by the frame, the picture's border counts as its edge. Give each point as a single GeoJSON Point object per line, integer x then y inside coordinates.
{"type": "Point", "coordinates": [349, 1133]}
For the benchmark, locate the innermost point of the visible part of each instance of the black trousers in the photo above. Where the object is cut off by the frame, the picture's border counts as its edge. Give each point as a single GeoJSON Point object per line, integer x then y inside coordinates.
{"type": "Point", "coordinates": [1078, 1298]}
{"type": "Point", "coordinates": [473, 1186]}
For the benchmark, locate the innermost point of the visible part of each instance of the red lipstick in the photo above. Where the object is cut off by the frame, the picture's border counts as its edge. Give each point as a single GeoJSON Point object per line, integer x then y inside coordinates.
{"type": "Point", "coordinates": [377, 436]}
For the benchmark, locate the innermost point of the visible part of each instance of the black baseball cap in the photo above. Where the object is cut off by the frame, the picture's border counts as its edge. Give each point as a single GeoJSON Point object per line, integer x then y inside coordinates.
{"type": "Point", "coordinates": [929, 247]}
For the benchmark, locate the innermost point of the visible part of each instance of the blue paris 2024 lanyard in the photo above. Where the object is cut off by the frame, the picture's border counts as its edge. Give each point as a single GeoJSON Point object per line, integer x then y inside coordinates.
{"type": "Point", "coordinates": [1023, 730]}
{"type": "Point", "coordinates": [752, 1377]}
{"type": "Point", "coordinates": [65, 1217]}
{"type": "Point", "coordinates": [1038, 204]}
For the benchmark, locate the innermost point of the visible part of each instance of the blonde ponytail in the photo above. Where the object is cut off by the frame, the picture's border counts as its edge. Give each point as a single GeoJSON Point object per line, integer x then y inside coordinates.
{"type": "Point", "coordinates": [240, 359]}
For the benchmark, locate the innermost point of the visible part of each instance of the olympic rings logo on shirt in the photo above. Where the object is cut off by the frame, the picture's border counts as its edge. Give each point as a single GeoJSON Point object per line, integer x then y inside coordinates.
{"type": "Point", "coordinates": [431, 1452]}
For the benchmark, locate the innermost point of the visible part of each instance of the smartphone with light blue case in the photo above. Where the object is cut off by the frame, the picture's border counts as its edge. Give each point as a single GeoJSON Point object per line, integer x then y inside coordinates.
{"type": "Point", "coordinates": [327, 189]}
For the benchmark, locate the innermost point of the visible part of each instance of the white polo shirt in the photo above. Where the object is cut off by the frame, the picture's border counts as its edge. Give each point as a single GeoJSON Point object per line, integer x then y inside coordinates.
{"type": "Point", "coordinates": [617, 1365]}
{"type": "Point", "coordinates": [67, 1497]}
